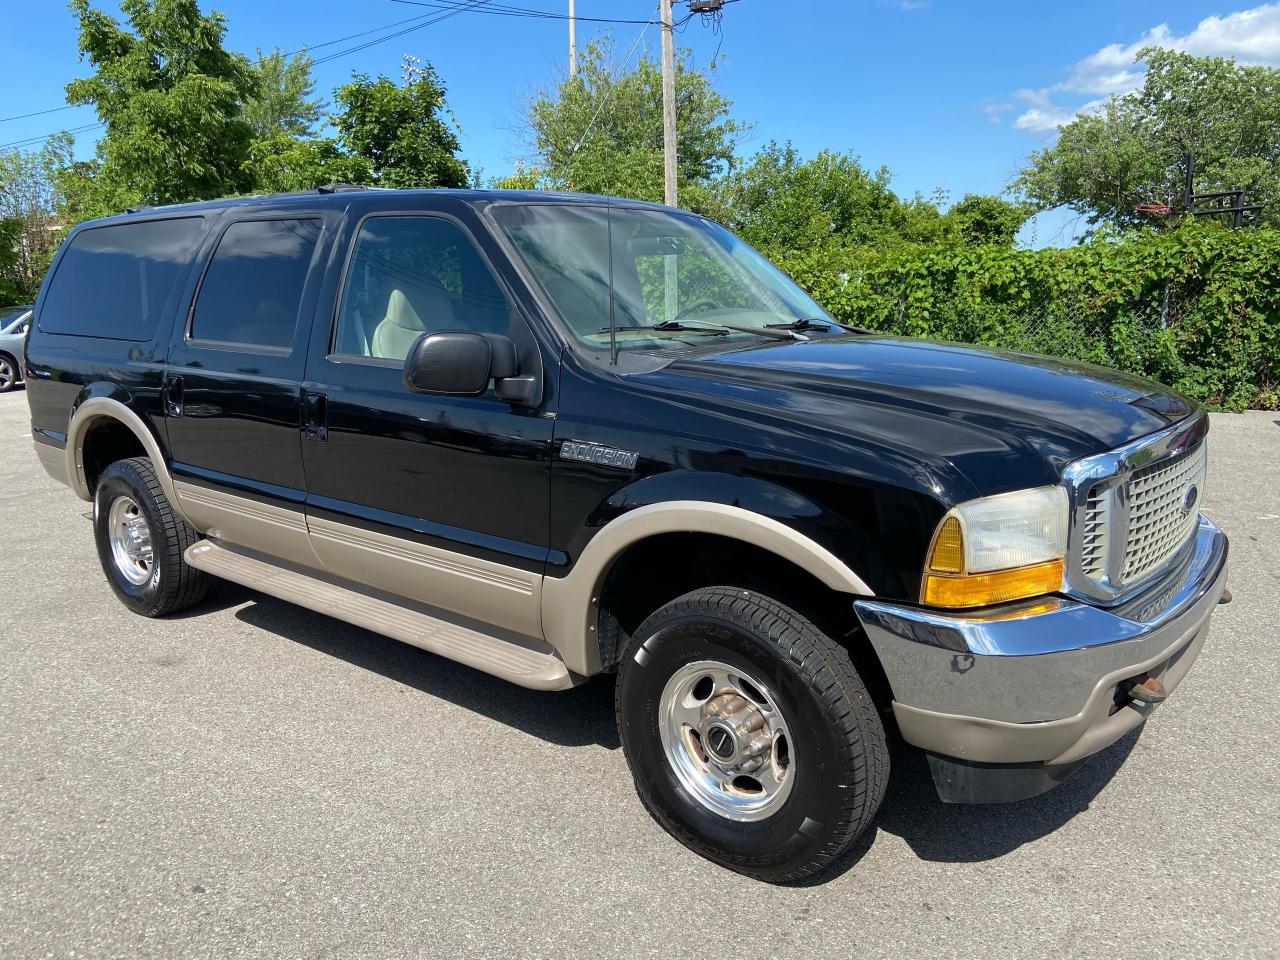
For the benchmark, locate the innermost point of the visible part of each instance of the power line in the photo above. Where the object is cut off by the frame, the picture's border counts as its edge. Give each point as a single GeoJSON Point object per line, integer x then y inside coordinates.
{"type": "Point", "coordinates": [448, 8]}
{"type": "Point", "coordinates": [291, 53]}
{"type": "Point", "coordinates": [506, 10]}
{"type": "Point", "coordinates": [31, 141]}
{"type": "Point", "coordinates": [363, 33]}
{"type": "Point", "coordinates": [38, 113]}
{"type": "Point", "coordinates": [429, 19]}
{"type": "Point", "coordinates": [434, 19]}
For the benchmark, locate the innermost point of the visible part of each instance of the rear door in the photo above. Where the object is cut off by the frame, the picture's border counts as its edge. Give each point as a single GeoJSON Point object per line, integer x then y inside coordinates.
{"type": "Point", "coordinates": [440, 499]}
{"type": "Point", "coordinates": [232, 392]}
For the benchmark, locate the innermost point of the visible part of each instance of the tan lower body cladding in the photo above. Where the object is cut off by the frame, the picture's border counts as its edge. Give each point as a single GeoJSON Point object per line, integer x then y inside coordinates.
{"type": "Point", "coordinates": [506, 597]}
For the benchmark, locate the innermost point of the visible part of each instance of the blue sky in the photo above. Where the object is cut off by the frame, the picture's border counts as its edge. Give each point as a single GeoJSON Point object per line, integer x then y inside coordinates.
{"type": "Point", "coordinates": [945, 93]}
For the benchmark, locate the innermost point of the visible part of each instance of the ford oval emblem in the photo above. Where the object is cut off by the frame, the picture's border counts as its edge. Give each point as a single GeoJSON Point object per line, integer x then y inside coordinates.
{"type": "Point", "coordinates": [1189, 498]}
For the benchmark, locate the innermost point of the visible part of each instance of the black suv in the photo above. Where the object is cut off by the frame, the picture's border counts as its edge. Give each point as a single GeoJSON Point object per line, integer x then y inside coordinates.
{"type": "Point", "coordinates": [553, 436]}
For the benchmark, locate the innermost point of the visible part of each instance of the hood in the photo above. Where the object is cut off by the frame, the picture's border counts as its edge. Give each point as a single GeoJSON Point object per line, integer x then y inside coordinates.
{"type": "Point", "coordinates": [1059, 410]}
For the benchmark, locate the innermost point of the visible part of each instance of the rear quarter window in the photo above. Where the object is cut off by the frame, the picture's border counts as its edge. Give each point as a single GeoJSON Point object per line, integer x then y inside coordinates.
{"type": "Point", "coordinates": [118, 281]}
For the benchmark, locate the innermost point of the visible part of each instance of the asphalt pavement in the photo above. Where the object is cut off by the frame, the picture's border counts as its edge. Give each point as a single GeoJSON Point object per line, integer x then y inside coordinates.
{"type": "Point", "coordinates": [250, 779]}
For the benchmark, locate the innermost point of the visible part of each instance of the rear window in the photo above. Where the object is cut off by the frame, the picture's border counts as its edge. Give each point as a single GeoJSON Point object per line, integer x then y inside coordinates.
{"type": "Point", "coordinates": [117, 282]}
{"type": "Point", "coordinates": [252, 291]}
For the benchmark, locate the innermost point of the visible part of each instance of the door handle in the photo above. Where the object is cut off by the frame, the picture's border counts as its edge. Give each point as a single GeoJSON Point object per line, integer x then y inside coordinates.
{"type": "Point", "coordinates": [173, 397]}
{"type": "Point", "coordinates": [315, 417]}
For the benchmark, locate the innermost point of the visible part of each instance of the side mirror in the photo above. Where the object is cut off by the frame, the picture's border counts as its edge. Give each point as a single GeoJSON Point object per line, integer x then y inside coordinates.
{"type": "Point", "coordinates": [456, 364]}
{"type": "Point", "coordinates": [462, 364]}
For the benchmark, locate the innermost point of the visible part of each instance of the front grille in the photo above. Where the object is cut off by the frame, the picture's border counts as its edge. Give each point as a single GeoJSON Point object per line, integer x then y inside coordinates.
{"type": "Point", "coordinates": [1129, 523]}
{"type": "Point", "coordinates": [1160, 518]}
{"type": "Point", "coordinates": [1095, 534]}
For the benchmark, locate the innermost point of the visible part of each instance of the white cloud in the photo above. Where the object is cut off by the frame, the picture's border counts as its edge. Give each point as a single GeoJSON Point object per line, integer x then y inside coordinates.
{"type": "Point", "coordinates": [1250, 36]}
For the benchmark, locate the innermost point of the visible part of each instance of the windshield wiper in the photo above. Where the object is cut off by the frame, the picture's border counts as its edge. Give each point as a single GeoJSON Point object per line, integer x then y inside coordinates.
{"type": "Point", "coordinates": [707, 325]}
{"type": "Point", "coordinates": [817, 323]}
{"type": "Point", "coordinates": [666, 327]}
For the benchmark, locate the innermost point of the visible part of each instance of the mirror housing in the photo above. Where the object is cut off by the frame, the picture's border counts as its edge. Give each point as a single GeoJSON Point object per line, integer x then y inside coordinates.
{"type": "Point", "coordinates": [461, 364]}
{"type": "Point", "coordinates": [454, 364]}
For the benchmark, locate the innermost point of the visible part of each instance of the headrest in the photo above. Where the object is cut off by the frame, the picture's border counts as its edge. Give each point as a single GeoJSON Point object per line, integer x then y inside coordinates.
{"type": "Point", "coordinates": [401, 313]}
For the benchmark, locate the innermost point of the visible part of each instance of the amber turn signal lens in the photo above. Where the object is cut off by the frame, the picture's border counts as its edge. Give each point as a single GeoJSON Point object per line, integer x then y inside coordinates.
{"type": "Point", "coordinates": [948, 548]}
{"type": "Point", "coordinates": [983, 589]}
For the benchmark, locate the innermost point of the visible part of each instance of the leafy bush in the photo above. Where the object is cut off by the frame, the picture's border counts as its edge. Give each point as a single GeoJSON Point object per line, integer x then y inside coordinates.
{"type": "Point", "coordinates": [1196, 307]}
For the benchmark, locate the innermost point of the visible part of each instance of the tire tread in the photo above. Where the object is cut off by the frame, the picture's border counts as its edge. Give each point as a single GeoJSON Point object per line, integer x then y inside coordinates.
{"type": "Point", "coordinates": [829, 671]}
{"type": "Point", "coordinates": [181, 585]}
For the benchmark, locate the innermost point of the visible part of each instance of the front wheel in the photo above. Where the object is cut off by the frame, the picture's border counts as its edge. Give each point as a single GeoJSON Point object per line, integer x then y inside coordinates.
{"type": "Point", "coordinates": [750, 736]}
{"type": "Point", "coordinates": [141, 541]}
{"type": "Point", "coordinates": [8, 373]}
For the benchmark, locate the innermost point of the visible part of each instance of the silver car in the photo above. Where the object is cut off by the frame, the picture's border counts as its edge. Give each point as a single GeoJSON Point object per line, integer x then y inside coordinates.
{"type": "Point", "coordinates": [14, 322]}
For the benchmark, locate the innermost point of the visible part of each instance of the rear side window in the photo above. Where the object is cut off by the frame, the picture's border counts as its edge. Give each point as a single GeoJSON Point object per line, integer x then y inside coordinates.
{"type": "Point", "coordinates": [117, 282]}
{"type": "Point", "coordinates": [252, 292]}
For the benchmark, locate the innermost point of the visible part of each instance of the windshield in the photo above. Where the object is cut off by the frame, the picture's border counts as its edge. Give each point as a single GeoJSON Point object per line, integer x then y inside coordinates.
{"type": "Point", "coordinates": [10, 314]}
{"type": "Point", "coordinates": [662, 268]}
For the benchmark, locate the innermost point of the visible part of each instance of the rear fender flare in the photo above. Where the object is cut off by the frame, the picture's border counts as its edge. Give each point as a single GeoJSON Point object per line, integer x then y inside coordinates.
{"type": "Point", "coordinates": [90, 411]}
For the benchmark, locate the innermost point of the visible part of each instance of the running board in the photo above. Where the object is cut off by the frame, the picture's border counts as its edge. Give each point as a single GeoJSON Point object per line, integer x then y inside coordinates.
{"type": "Point", "coordinates": [515, 660]}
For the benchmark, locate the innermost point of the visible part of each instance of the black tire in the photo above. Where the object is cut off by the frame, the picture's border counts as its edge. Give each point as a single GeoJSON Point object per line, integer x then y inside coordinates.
{"type": "Point", "coordinates": [841, 760]}
{"type": "Point", "coordinates": [10, 373]}
{"type": "Point", "coordinates": [173, 585]}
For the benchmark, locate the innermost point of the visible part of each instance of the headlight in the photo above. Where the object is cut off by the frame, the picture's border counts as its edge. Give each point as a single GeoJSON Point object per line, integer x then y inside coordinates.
{"type": "Point", "coordinates": [998, 548]}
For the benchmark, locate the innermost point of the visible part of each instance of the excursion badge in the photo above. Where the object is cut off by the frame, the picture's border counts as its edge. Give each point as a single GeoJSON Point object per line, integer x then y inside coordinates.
{"type": "Point", "coordinates": [595, 453]}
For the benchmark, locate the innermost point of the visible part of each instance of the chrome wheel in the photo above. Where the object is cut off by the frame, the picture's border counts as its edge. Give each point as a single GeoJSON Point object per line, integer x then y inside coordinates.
{"type": "Point", "coordinates": [8, 376]}
{"type": "Point", "coordinates": [726, 739]}
{"type": "Point", "coordinates": [130, 539]}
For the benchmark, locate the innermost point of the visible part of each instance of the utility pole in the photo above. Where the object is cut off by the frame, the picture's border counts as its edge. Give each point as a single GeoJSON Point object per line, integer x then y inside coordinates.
{"type": "Point", "coordinates": [668, 107]}
{"type": "Point", "coordinates": [573, 46]}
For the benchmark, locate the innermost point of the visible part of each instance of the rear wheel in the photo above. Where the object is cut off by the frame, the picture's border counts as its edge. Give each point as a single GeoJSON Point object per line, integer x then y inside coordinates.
{"type": "Point", "coordinates": [750, 736]}
{"type": "Point", "coordinates": [141, 541]}
{"type": "Point", "coordinates": [8, 373]}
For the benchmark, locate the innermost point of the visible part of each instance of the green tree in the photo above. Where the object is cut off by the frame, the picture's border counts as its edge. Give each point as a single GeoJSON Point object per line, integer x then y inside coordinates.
{"type": "Point", "coordinates": [172, 99]}
{"type": "Point", "coordinates": [10, 238]}
{"type": "Point", "coordinates": [406, 134]}
{"type": "Point", "coordinates": [29, 200]}
{"type": "Point", "coordinates": [780, 201]}
{"type": "Point", "coordinates": [981, 219]}
{"type": "Point", "coordinates": [601, 131]}
{"type": "Point", "coordinates": [1131, 152]}
{"type": "Point", "coordinates": [284, 102]}
{"type": "Point", "coordinates": [280, 163]}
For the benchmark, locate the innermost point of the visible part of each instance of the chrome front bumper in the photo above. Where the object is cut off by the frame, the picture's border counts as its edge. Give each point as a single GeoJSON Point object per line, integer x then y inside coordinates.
{"type": "Point", "coordinates": [1042, 682]}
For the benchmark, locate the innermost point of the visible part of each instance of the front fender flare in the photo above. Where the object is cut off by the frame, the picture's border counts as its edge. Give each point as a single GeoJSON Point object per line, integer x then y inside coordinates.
{"type": "Point", "coordinates": [570, 605]}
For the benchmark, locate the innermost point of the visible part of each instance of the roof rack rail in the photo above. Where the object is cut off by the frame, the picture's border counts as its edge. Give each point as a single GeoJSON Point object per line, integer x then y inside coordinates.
{"type": "Point", "coordinates": [339, 187]}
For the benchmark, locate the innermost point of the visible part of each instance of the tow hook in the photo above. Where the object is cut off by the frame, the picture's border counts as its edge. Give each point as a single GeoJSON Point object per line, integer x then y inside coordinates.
{"type": "Point", "coordinates": [1150, 691]}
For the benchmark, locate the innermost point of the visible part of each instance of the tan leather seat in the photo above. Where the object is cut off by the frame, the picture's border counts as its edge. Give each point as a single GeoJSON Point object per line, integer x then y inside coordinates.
{"type": "Point", "coordinates": [401, 326]}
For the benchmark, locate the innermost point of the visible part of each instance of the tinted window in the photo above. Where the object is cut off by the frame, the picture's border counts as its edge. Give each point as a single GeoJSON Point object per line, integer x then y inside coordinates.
{"type": "Point", "coordinates": [410, 275]}
{"type": "Point", "coordinates": [252, 291]}
{"type": "Point", "coordinates": [118, 281]}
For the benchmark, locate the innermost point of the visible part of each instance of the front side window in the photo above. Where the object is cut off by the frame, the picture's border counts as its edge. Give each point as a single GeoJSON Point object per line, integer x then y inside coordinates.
{"type": "Point", "coordinates": [118, 281]}
{"type": "Point", "coordinates": [411, 275]}
{"type": "Point", "coordinates": [252, 292]}
{"type": "Point", "coordinates": [636, 269]}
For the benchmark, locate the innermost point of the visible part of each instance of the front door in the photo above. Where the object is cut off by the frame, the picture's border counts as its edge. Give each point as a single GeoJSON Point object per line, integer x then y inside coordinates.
{"type": "Point", "coordinates": [232, 392]}
{"type": "Point", "coordinates": [440, 499]}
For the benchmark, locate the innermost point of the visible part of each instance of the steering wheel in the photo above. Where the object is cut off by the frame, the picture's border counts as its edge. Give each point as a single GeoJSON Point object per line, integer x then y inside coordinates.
{"type": "Point", "coordinates": [697, 307]}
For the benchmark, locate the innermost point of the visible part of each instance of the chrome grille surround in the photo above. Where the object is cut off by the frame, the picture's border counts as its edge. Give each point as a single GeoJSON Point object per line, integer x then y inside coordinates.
{"type": "Point", "coordinates": [1127, 521]}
